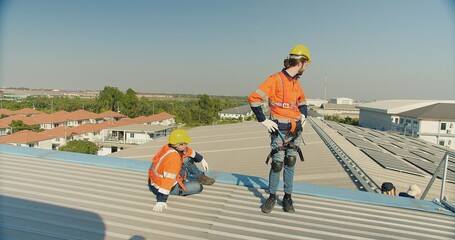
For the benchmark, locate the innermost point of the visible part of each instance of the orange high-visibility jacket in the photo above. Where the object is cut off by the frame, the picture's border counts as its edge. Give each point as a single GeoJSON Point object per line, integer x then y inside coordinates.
{"type": "Point", "coordinates": [284, 95]}
{"type": "Point", "coordinates": [165, 170]}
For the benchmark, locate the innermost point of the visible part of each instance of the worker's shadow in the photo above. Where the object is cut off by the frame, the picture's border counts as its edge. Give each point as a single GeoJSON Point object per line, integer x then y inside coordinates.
{"type": "Point", "coordinates": [252, 183]}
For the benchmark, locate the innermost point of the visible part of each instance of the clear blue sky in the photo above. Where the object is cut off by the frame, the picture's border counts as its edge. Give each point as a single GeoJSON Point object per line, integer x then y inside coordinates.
{"type": "Point", "coordinates": [370, 50]}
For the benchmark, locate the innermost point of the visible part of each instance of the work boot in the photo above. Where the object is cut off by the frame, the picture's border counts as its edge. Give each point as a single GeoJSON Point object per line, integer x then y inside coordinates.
{"type": "Point", "coordinates": [204, 180]}
{"type": "Point", "coordinates": [268, 205]}
{"type": "Point", "coordinates": [288, 205]}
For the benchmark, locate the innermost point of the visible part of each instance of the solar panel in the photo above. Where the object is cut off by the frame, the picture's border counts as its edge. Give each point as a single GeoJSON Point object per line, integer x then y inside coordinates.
{"type": "Point", "coordinates": [434, 151]}
{"type": "Point", "coordinates": [335, 125]}
{"type": "Point", "coordinates": [431, 168]}
{"type": "Point", "coordinates": [377, 140]}
{"type": "Point", "coordinates": [388, 161]}
{"type": "Point", "coordinates": [363, 144]}
{"type": "Point", "coordinates": [397, 151]}
{"type": "Point", "coordinates": [429, 157]}
{"type": "Point", "coordinates": [349, 135]}
{"type": "Point", "coordinates": [397, 139]}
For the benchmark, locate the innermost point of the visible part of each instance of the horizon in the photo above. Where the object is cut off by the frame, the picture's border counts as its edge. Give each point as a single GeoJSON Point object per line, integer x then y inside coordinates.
{"type": "Point", "coordinates": [363, 50]}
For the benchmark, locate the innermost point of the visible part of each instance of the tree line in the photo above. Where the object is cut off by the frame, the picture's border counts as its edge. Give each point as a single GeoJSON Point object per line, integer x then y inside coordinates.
{"type": "Point", "coordinates": [192, 110]}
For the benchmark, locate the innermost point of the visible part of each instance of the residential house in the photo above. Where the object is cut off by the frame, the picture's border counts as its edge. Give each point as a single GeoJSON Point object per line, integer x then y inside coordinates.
{"type": "Point", "coordinates": [240, 112]}
{"type": "Point", "coordinates": [163, 118]}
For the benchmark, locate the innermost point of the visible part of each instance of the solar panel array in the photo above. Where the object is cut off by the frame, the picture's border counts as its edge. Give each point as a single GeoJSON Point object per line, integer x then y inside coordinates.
{"type": "Point", "coordinates": [431, 168]}
{"type": "Point", "coordinates": [363, 144]}
{"type": "Point", "coordinates": [396, 152]}
{"type": "Point", "coordinates": [387, 160]}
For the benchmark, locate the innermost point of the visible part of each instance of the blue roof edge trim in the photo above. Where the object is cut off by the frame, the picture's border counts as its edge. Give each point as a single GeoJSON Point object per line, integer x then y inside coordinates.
{"type": "Point", "coordinates": [236, 179]}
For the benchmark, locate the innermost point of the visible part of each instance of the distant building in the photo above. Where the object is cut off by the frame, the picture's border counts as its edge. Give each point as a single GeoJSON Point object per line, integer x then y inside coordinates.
{"type": "Point", "coordinates": [315, 102]}
{"type": "Point", "coordinates": [343, 110]}
{"type": "Point", "coordinates": [434, 123]}
{"type": "Point", "coordinates": [430, 120]}
{"type": "Point", "coordinates": [236, 112]}
{"type": "Point", "coordinates": [341, 101]}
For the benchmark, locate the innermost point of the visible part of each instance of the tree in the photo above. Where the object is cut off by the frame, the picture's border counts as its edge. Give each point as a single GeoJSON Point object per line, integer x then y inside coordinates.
{"type": "Point", "coordinates": [18, 125]}
{"type": "Point", "coordinates": [110, 98]}
{"type": "Point", "coordinates": [130, 103]}
{"type": "Point", "coordinates": [80, 146]}
{"type": "Point", "coordinates": [208, 110]}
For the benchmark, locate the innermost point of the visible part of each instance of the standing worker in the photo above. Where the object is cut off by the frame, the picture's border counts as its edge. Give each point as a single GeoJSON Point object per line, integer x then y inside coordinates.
{"type": "Point", "coordinates": [168, 172]}
{"type": "Point", "coordinates": [288, 111]}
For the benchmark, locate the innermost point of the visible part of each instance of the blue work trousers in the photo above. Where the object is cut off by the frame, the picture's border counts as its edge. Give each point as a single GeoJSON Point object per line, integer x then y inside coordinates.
{"type": "Point", "coordinates": [288, 173]}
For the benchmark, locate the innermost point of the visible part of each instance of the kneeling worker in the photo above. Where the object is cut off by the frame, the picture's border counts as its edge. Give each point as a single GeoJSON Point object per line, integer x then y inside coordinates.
{"type": "Point", "coordinates": [168, 172]}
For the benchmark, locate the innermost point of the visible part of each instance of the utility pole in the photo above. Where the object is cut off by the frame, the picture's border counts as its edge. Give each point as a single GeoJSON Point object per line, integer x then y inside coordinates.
{"type": "Point", "coordinates": [325, 93]}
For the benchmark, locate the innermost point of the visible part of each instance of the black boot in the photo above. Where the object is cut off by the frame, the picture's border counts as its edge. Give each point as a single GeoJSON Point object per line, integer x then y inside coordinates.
{"type": "Point", "coordinates": [288, 205]}
{"type": "Point", "coordinates": [268, 205]}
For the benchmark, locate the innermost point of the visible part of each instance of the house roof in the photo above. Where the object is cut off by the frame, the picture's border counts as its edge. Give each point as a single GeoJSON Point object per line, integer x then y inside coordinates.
{"type": "Point", "coordinates": [237, 110]}
{"type": "Point", "coordinates": [399, 106]}
{"type": "Point", "coordinates": [142, 128]}
{"type": "Point", "coordinates": [23, 137]}
{"type": "Point", "coordinates": [5, 122]}
{"type": "Point", "coordinates": [156, 117]}
{"type": "Point", "coordinates": [438, 111]}
{"type": "Point", "coordinates": [27, 111]}
{"type": "Point", "coordinates": [58, 195]}
{"type": "Point", "coordinates": [5, 111]}
{"type": "Point", "coordinates": [111, 114]}
{"type": "Point", "coordinates": [82, 115]}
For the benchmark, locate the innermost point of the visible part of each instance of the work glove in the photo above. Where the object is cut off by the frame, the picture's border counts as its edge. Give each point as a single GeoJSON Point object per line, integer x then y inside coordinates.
{"type": "Point", "coordinates": [303, 121]}
{"type": "Point", "coordinates": [270, 125]}
{"type": "Point", "coordinates": [205, 165]}
{"type": "Point", "coordinates": [159, 206]}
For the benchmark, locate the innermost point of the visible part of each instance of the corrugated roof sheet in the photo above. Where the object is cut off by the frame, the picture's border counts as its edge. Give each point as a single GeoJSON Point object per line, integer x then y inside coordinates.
{"type": "Point", "coordinates": [57, 195]}
{"type": "Point", "coordinates": [54, 199]}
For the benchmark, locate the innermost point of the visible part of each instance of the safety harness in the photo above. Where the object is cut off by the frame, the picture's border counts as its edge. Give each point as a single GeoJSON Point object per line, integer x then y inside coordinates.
{"type": "Point", "coordinates": [288, 143]}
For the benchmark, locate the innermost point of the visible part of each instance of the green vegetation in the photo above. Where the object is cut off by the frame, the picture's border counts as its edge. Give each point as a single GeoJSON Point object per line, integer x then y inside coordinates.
{"type": "Point", "coordinates": [18, 125]}
{"type": "Point", "coordinates": [192, 110]}
{"type": "Point", "coordinates": [80, 146]}
{"type": "Point", "coordinates": [346, 120]}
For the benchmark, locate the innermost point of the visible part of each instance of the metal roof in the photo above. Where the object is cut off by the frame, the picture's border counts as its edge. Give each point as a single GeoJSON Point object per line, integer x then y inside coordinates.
{"type": "Point", "coordinates": [440, 111]}
{"type": "Point", "coordinates": [58, 195]}
{"type": "Point", "coordinates": [399, 105]}
{"type": "Point", "coordinates": [141, 128]}
{"type": "Point", "coordinates": [54, 199]}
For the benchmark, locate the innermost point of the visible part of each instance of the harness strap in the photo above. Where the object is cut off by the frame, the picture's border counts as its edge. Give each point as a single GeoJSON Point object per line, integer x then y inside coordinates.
{"type": "Point", "coordinates": [289, 145]}
{"type": "Point", "coordinates": [180, 180]}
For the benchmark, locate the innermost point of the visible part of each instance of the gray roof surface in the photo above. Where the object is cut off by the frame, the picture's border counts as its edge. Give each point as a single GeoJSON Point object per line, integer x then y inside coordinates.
{"type": "Point", "coordinates": [440, 111]}
{"type": "Point", "coordinates": [399, 105]}
{"type": "Point", "coordinates": [56, 195]}
{"type": "Point", "coordinates": [49, 199]}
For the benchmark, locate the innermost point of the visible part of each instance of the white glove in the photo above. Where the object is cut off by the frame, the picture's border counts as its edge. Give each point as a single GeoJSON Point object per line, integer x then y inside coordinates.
{"type": "Point", "coordinates": [270, 125]}
{"type": "Point", "coordinates": [159, 206]}
{"type": "Point", "coordinates": [205, 165]}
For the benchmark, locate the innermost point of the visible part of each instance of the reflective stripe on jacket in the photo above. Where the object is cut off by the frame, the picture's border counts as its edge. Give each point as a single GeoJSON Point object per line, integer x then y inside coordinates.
{"type": "Point", "coordinates": [284, 95]}
{"type": "Point", "coordinates": [166, 167]}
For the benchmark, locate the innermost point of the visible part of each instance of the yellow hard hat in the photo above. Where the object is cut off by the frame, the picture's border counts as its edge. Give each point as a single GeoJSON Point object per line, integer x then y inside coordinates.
{"type": "Point", "coordinates": [179, 136]}
{"type": "Point", "coordinates": [300, 50]}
